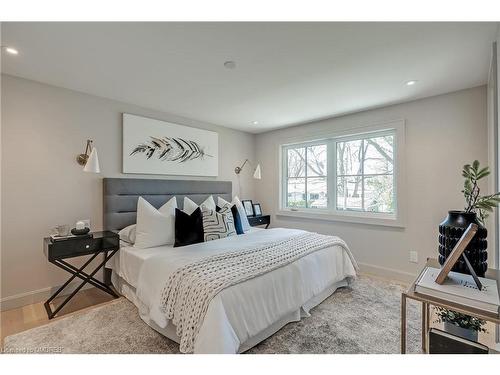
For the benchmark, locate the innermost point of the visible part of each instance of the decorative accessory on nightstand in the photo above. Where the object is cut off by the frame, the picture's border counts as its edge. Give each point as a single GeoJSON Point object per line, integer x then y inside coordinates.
{"type": "Point", "coordinates": [248, 206]}
{"type": "Point", "coordinates": [80, 229]}
{"type": "Point", "coordinates": [257, 210]}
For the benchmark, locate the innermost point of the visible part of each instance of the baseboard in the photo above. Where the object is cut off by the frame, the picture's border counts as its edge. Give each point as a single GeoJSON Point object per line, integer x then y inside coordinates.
{"type": "Point", "coordinates": [387, 273]}
{"type": "Point", "coordinates": [35, 296]}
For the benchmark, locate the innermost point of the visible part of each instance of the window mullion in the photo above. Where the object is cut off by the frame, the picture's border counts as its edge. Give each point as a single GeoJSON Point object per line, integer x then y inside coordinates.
{"type": "Point", "coordinates": [332, 175]}
{"type": "Point", "coordinates": [363, 175]}
{"type": "Point", "coordinates": [305, 179]}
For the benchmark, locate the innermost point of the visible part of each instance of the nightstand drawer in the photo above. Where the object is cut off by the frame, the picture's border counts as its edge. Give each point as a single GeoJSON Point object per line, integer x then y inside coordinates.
{"type": "Point", "coordinates": [259, 220]}
{"type": "Point", "coordinates": [77, 247]}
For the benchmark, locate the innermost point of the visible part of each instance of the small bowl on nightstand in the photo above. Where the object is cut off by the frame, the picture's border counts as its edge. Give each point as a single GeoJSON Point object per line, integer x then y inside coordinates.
{"type": "Point", "coordinates": [80, 232]}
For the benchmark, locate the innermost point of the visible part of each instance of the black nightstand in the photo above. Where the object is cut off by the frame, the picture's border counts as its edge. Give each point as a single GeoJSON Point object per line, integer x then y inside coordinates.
{"type": "Point", "coordinates": [259, 220]}
{"type": "Point", "coordinates": [101, 242]}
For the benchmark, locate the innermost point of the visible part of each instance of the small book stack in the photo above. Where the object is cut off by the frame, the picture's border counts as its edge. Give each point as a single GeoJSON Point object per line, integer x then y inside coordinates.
{"type": "Point", "coordinates": [57, 238]}
{"type": "Point", "coordinates": [461, 289]}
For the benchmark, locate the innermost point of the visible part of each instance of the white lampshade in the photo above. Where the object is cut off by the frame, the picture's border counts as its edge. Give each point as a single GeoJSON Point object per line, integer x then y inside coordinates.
{"type": "Point", "coordinates": [92, 164]}
{"type": "Point", "coordinates": [256, 174]}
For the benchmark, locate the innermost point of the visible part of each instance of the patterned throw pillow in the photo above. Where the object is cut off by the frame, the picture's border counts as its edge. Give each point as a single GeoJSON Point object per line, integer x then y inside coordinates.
{"type": "Point", "coordinates": [218, 225]}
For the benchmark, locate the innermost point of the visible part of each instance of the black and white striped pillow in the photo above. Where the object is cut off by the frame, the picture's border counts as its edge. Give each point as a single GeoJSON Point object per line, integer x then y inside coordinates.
{"type": "Point", "coordinates": [218, 225]}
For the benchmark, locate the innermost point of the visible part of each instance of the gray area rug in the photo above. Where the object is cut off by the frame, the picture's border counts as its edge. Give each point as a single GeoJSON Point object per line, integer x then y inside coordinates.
{"type": "Point", "coordinates": [362, 318]}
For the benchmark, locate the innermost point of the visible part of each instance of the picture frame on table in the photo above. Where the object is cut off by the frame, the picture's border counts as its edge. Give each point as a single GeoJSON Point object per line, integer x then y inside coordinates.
{"type": "Point", "coordinates": [248, 206]}
{"type": "Point", "coordinates": [257, 209]}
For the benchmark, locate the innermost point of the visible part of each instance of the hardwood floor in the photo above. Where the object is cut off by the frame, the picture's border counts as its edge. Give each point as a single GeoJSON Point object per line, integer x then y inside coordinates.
{"type": "Point", "coordinates": [30, 316]}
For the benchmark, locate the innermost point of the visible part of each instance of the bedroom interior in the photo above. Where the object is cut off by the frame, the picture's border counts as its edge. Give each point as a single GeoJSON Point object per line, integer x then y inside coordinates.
{"type": "Point", "coordinates": [250, 188]}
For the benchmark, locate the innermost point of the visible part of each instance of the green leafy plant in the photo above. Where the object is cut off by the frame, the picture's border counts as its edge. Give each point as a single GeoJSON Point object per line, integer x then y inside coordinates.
{"type": "Point", "coordinates": [480, 205]}
{"type": "Point", "coordinates": [459, 319]}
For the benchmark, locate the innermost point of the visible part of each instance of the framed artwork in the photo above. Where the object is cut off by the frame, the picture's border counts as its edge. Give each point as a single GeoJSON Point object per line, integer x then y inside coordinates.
{"type": "Point", "coordinates": [159, 147]}
{"type": "Point", "coordinates": [257, 209]}
{"type": "Point", "coordinates": [248, 206]}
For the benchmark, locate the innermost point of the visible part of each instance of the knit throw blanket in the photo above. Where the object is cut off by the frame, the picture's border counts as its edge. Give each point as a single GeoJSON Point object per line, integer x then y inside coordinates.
{"type": "Point", "coordinates": [190, 289]}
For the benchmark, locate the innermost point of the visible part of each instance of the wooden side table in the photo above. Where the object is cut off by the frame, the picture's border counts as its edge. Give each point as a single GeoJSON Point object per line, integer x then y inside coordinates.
{"type": "Point", "coordinates": [101, 242]}
{"type": "Point", "coordinates": [451, 305]}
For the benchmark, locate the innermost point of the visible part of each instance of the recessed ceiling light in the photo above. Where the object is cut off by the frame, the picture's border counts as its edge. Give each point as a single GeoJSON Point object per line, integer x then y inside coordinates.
{"type": "Point", "coordinates": [255, 122]}
{"type": "Point", "coordinates": [411, 83]}
{"type": "Point", "coordinates": [229, 65]}
{"type": "Point", "coordinates": [11, 50]}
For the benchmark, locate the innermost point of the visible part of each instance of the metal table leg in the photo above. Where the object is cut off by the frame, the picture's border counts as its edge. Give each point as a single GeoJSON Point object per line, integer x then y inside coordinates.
{"type": "Point", "coordinates": [87, 278]}
{"type": "Point", "coordinates": [425, 322]}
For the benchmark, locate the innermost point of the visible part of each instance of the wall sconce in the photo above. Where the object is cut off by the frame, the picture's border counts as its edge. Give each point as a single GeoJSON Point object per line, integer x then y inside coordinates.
{"type": "Point", "coordinates": [256, 173]}
{"type": "Point", "coordinates": [89, 161]}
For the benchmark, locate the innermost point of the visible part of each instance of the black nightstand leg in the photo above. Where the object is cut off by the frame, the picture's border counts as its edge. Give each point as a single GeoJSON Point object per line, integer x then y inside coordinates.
{"type": "Point", "coordinates": [87, 278]}
{"type": "Point", "coordinates": [82, 275]}
{"type": "Point", "coordinates": [71, 278]}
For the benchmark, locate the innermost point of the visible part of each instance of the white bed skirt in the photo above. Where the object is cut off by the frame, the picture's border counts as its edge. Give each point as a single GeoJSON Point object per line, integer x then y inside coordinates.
{"type": "Point", "coordinates": [129, 292]}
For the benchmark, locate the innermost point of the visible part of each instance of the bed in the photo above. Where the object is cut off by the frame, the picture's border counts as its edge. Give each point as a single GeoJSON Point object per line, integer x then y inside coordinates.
{"type": "Point", "coordinates": [241, 315]}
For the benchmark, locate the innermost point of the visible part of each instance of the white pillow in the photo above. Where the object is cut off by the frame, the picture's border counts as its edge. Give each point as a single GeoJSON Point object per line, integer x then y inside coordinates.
{"type": "Point", "coordinates": [127, 234]}
{"type": "Point", "coordinates": [190, 206]}
{"type": "Point", "coordinates": [155, 227]}
{"type": "Point", "coordinates": [241, 211]}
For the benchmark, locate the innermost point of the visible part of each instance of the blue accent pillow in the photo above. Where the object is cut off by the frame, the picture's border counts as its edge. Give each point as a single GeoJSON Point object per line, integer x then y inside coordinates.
{"type": "Point", "coordinates": [238, 226]}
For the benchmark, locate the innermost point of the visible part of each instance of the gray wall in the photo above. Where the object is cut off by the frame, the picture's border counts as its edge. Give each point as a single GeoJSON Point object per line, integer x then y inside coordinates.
{"type": "Point", "coordinates": [43, 129]}
{"type": "Point", "coordinates": [442, 134]}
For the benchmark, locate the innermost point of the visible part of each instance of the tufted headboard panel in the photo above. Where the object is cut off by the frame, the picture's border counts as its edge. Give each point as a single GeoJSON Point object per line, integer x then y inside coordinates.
{"type": "Point", "coordinates": [121, 194]}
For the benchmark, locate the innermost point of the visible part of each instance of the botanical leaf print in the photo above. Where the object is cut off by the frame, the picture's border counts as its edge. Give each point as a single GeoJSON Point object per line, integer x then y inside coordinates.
{"type": "Point", "coordinates": [171, 149]}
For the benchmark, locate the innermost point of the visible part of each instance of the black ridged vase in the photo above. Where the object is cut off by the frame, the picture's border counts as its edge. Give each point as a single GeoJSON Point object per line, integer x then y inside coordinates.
{"type": "Point", "coordinates": [450, 231]}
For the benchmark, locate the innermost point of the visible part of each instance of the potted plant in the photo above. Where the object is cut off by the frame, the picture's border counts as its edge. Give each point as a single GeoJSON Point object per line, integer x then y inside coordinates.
{"type": "Point", "coordinates": [477, 208]}
{"type": "Point", "coordinates": [460, 324]}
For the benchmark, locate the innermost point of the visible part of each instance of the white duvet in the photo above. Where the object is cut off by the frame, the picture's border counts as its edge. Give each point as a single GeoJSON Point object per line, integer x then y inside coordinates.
{"type": "Point", "coordinates": [244, 311]}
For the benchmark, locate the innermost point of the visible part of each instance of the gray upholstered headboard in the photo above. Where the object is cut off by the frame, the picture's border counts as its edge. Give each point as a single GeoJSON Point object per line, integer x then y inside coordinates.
{"type": "Point", "coordinates": [121, 194]}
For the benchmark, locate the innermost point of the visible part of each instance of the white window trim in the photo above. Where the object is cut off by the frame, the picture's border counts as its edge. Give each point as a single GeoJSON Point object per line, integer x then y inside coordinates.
{"type": "Point", "coordinates": [397, 219]}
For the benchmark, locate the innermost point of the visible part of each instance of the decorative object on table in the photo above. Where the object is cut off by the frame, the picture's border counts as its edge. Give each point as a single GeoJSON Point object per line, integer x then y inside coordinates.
{"type": "Point", "coordinates": [90, 161]}
{"type": "Point", "coordinates": [248, 206]}
{"type": "Point", "coordinates": [56, 238]}
{"type": "Point", "coordinates": [159, 147]}
{"type": "Point", "coordinates": [441, 342]}
{"type": "Point", "coordinates": [256, 173]}
{"type": "Point", "coordinates": [94, 244]}
{"type": "Point", "coordinates": [80, 232]}
{"type": "Point", "coordinates": [60, 230]}
{"type": "Point", "coordinates": [80, 229]}
{"type": "Point", "coordinates": [460, 288]}
{"type": "Point", "coordinates": [456, 253]}
{"type": "Point", "coordinates": [257, 209]}
{"type": "Point", "coordinates": [459, 324]}
{"type": "Point", "coordinates": [476, 211]}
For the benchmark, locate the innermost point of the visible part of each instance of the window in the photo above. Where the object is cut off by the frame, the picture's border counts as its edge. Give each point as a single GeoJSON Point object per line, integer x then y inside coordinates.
{"type": "Point", "coordinates": [365, 174]}
{"type": "Point", "coordinates": [344, 176]}
{"type": "Point", "coordinates": [307, 173]}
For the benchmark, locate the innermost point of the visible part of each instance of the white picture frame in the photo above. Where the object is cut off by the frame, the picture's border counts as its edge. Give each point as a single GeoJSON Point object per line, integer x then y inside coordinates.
{"type": "Point", "coordinates": [158, 147]}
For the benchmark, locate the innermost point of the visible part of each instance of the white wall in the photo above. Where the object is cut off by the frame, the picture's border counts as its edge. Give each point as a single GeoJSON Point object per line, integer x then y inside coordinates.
{"type": "Point", "coordinates": [442, 134]}
{"type": "Point", "coordinates": [44, 128]}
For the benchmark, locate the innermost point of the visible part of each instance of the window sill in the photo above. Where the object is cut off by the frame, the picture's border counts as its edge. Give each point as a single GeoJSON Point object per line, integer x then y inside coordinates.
{"type": "Point", "coordinates": [344, 217]}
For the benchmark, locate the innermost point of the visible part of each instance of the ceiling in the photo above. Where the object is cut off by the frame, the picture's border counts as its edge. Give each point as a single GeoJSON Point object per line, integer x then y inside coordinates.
{"type": "Point", "coordinates": [285, 74]}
